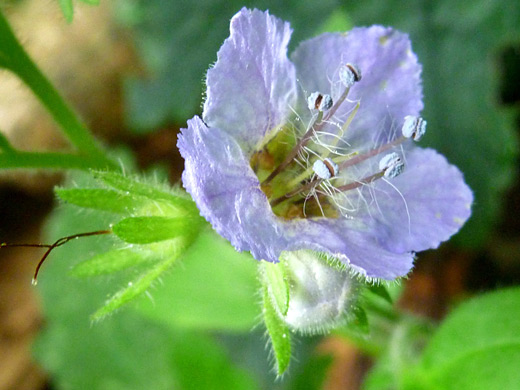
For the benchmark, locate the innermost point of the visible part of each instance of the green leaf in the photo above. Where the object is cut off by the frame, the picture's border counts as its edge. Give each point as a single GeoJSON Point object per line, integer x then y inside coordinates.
{"type": "Point", "coordinates": [215, 288]}
{"type": "Point", "coordinates": [381, 291]}
{"type": "Point", "coordinates": [279, 335]}
{"type": "Point", "coordinates": [477, 347]}
{"type": "Point", "coordinates": [5, 145]}
{"type": "Point", "coordinates": [100, 199]}
{"type": "Point", "coordinates": [172, 32]}
{"type": "Point", "coordinates": [198, 354]}
{"type": "Point", "coordinates": [91, 2]}
{"type": "Point", "coordinates": [360, 321]}
{"type": "Point", "coordinates": [110, 262]}
{"type": "Point", "coordinates": [157, 191]}
{"type": "Point", "coordinates": [277, 285]}
{"type": "Point", "coordinates": [68, 9]}
{"type": "Point", "coordinates": [313, 374]}
{"type": "Point", "coordinates": [136, 287]}
{"type": "Point", "coordinates": [127, 350]}
{"type": "Point", "coordinates": [145, 230]}
{"type": "Point", "coordinates": [465, 121]}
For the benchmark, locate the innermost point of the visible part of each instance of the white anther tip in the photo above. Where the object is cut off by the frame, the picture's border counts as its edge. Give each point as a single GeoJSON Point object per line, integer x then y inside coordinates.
{"type": "Point", "coordinates": [414, 127]}
{"type": "Point", "coordinates": [349, 74]}
{"type": "Point", "coordinates": [391, 165]}
{"type": "Point", "coordinates": [318, 101]}
{"type": "Point", "coordinates": [325, 169]}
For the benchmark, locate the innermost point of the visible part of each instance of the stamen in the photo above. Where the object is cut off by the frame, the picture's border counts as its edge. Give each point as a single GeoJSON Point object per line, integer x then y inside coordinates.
{"type": "Point", "coordinates": [317, 101]}
{"type": "Point", "coordinates": [349, 74]}
{"type": "Point", "coordinates": [316, 126]}
{"type": "Point", "coordinates": [414, 126]}
{"type": "Point", "coordinates": [391, 165]}
{"type": "Point", "coordinates": [362, 182]}
{"type": "Point", "coordinates": [374, 152]}
{"type": "Point", "coordinates": [325, 169]}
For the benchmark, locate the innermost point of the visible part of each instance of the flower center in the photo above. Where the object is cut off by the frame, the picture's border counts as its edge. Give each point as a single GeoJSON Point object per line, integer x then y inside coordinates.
{"type": "Point", "coordinates": [311, 171]}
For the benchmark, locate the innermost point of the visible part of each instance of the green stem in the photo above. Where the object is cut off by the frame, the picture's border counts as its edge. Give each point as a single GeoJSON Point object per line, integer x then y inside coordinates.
{"type": "Point", "coordinates": [18, 159]}
{"type": "Point", "coordinates": [14, 58]}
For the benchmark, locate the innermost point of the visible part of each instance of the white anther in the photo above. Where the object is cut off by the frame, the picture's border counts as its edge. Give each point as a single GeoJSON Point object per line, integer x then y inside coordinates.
{"type": "Point", "coordinates": [349, 74]}
{"type": "Point", "coordinates": [391, 165]}
{"type": "Point", "coordinates": [414, 126]}
{"type": "Point", "coordinates": [317, 101]}
{"type": "Point", "coordinates": [325, 169]}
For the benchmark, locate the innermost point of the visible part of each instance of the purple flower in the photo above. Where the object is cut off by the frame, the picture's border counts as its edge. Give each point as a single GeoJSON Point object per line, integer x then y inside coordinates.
{"type": "Point", "coordinates": [309, 153]}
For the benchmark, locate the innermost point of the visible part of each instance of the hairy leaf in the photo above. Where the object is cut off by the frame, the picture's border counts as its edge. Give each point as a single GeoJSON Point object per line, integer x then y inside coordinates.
{"type": "Point", "coordinates": [279, 335]}
{"type": "Point", "coordinates": [111, 261]}
{"type": "Point", "coordinates": [145, 230]}
{"type": "Point", "coordinates": [101, 199]}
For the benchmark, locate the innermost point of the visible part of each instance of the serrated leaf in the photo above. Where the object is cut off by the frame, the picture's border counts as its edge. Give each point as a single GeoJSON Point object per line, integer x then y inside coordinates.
{"type": "Point", "coordinates": [134, 186]}
{"type": "Point", "coordinates": [100, 199]}
{"type": "Point", "coordinates": [109, 262]}
{"type": "Point", "coordinates": [279, 335]}
{"type": "Point", "coordinates": [136, 287]}
{"type": "Point", "coordinates": [128, 350]}
{"type": "Point", "coordinates": [68, 9]}
{"type": "Point", "coordinates": [476, 348]}
{"type": "Point", "coordinates": [145, 230]}
{"type": "Point", "coordinates": [381, 291]}
{"type": "Point", "coordinates": [215, 289]}
{"type": "Point", "coordinates": [277, 285]}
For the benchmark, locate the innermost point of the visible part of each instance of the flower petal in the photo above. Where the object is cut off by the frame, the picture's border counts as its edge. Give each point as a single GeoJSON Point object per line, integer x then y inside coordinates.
{"type": "Point", "coordinates": [390, 87]}
{"type": "Point", "coordinates": [252, 86]}
{"type": "Point", "coordinates": [432, 204]}
{"type": "Point", "coordinates": [227, 192]}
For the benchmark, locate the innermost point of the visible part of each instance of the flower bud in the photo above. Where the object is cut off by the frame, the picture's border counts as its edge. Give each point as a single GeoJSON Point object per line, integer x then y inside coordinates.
{"type": "Point", "coordinates": [320, 294]}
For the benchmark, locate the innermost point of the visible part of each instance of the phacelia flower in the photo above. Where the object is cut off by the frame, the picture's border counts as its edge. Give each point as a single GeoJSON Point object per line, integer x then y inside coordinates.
{"type": "Point", "coordinates": [318, 151]}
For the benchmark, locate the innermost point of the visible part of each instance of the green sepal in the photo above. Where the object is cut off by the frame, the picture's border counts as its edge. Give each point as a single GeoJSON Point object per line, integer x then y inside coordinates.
{"type": "Point", "coordinates": [101, 199]}
{"type": "Point", "coordinates": [381, 291]}
{"type": "Point", "coordinates": [145, 230]}
{"type": "Point", "coordinates": [279, 335]}
{"type": "Point", "coordinates": [109, 262]}
{"type": "Point", "coordinates": [277, 285]}
{"type": "Point", "coordinates": [138, 286]}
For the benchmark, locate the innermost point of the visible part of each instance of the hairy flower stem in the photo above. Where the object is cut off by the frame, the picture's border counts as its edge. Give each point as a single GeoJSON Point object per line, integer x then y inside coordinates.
{"type": "Point", "coordinates": [315, 127]}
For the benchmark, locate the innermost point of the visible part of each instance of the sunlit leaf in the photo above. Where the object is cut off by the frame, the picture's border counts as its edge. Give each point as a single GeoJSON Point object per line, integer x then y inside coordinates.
{"type": "Point", "coordinates": [476, 348]}
{"type": "Point", "coordinates": [111, 261]}
{"type": "Point", "coordinates": [145, 230]}
{"type": "Point", "coordinates": [215, 287]}
{"type": "Point", "coordinates": [100, 199]}
{"type": "Point", "coordinates": [136, 286]}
